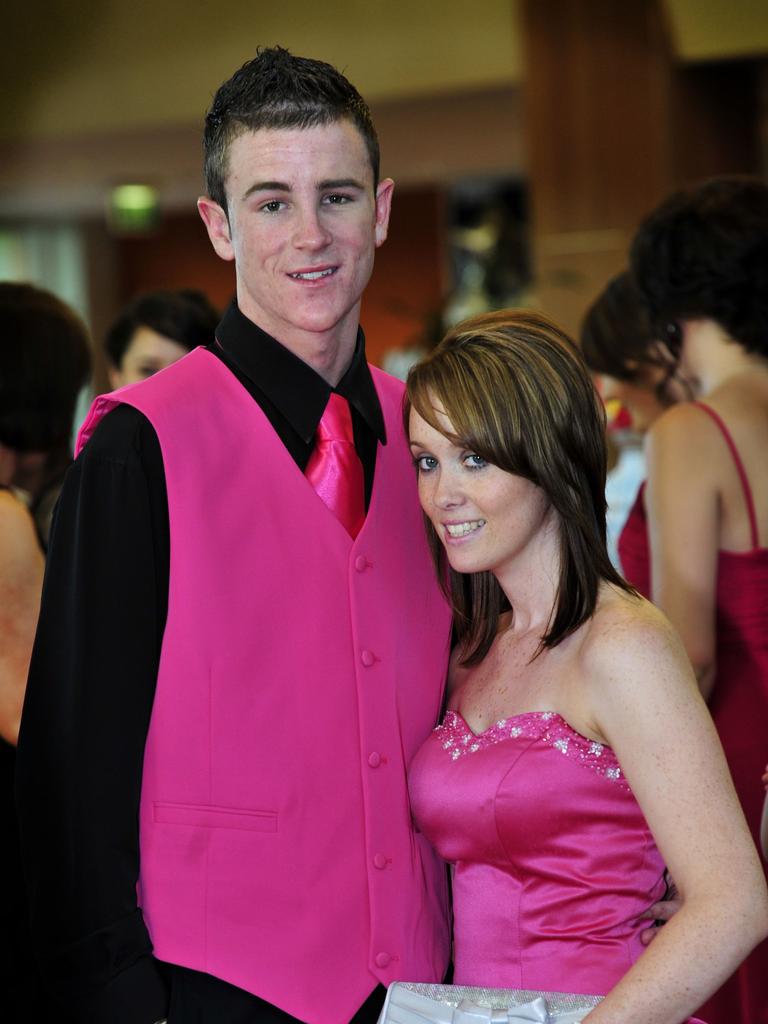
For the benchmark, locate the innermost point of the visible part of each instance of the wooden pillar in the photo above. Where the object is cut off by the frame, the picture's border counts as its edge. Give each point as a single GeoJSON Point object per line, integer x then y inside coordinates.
{"type": "Point", "coordinates": [613, 124]}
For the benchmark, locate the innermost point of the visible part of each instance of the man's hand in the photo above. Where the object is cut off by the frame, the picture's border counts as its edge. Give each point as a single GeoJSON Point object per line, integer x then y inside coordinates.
{"type": "Point", "coordinates": [661, 912]}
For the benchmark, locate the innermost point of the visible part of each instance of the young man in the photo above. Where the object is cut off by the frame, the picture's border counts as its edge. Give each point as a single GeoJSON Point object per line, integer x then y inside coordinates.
{"type": "Point", "coordinates": [236, 661]}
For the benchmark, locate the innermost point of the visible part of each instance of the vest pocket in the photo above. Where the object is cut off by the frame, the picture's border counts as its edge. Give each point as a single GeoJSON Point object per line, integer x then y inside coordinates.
{"type": "Point", "coordinates": [203, 816]}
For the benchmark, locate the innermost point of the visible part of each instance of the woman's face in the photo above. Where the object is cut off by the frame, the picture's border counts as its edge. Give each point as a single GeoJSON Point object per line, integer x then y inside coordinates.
{"type": "Point", "coordinates": [487, 519]}
{"type": "Point", "coordinates": [147, 353]}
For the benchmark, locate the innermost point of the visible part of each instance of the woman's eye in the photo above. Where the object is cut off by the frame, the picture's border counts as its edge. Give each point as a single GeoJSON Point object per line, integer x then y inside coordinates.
{"type": "Point", "coordinates": [475, 461]}
{"type": "Point", "coordinates": [425, 463]}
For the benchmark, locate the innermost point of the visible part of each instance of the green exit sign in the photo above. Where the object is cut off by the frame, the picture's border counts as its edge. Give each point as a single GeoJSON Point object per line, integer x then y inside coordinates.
{"type": "Point", "coordinates": [133, 209]}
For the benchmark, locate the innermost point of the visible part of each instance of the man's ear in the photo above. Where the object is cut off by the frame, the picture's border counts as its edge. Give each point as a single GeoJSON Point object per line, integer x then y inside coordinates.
{"type": "Point", "coordinates": [217, 225]}
{"type": "Point", "coordinates": [384, 192]}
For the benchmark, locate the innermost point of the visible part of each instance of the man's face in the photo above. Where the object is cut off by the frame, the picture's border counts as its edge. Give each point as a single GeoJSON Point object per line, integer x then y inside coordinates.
{"type": "Point", "coordinates": [302, 229]}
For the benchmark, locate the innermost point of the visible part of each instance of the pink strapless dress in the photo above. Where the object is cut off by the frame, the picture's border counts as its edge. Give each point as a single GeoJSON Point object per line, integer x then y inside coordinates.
{"type": "Point", "coordinates": [554, 864]}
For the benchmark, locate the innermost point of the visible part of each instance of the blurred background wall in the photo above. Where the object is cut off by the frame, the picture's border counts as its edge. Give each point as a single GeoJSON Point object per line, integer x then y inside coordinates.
{"type": "Point", "coordinates": [526, 137]}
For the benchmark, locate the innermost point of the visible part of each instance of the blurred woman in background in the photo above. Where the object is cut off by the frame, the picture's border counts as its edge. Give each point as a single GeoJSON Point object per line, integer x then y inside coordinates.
{"type": "Point", "coordinates": [632, 369]}
{"type": "Point", "coordinates": [617, 343]}
{"type": "Point", "coordinates": [44, 362]}
{"type": "Point", "coordinates": [700, 261]}
{"type": "Point", "coordinates": [156, 329]}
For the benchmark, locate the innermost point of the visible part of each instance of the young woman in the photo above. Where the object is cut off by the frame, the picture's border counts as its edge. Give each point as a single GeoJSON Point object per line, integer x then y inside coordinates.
{"type": "Point", "coordinates": [576, 757]}
{"type": "Point", "coordinates": [701, 263]}
{"type": "Point", "coordinates": [156, 329]}
{"type": "Point", "coordinates": [44, 362]}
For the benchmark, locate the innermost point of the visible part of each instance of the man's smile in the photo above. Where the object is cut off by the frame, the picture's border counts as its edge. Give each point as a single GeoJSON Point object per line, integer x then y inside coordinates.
{"type": "Point", "coordinates": [313, 275]}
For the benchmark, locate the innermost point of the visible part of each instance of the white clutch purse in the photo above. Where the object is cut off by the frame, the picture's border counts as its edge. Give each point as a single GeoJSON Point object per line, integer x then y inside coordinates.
{"type": "Point", "coordinates": [466, 1004]}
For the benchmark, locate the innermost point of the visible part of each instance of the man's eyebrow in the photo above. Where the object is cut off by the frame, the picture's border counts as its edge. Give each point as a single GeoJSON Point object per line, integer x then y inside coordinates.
{"type": "Point", "coordinates": [341, 183]}
{"type": "Point", "coordinates": [322, 186]}
{"type": "Point", "coordinates": [267, 186]}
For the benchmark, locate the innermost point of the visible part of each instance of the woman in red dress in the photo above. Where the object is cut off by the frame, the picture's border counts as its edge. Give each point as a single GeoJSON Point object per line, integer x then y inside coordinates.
{"type": "Point", "coordinates": [700, 262]}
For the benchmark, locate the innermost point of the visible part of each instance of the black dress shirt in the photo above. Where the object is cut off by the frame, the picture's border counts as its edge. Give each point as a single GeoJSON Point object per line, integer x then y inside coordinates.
{"type": "Point", "coordinates": [94, 670]}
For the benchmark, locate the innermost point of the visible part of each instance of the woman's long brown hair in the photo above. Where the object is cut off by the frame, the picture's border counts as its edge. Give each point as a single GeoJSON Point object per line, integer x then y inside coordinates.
{"type": "Point", "coordinates": [518, 394]}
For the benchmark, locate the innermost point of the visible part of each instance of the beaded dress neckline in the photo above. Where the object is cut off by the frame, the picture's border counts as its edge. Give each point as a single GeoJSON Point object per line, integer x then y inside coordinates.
{"type": "Point", "coordinates": [458, 739]}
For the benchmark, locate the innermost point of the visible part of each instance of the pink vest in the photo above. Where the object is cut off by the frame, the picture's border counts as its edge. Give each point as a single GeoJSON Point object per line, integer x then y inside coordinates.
{"type": "Point", "coordinates": [300, 672]}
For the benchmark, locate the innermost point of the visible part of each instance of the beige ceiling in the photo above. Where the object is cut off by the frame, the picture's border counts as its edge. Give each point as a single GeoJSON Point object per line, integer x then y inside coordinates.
{"type": "Point", "coordinates": [81, 66]}
{"type": "Point", "coordinates": [718, 29]}
{"type": "Point", "coordinates": [97, 91]}
{"type": "Point", "coordinates": [89, 64]}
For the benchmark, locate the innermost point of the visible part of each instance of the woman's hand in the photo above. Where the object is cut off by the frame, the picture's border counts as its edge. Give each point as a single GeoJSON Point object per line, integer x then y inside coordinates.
{"type": "Point", "coordinates": [662, 912]}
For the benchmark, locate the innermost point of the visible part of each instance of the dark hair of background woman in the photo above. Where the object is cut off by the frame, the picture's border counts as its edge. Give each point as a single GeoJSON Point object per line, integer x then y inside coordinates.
{"type": "Point", "coordinates": [185, 316]}
{"type": "Point", "coordinates": [703, 254]}
{"type": "Point", "coordinates": [617, 338]}
{"type": "Point", "coordinates": [45, 360]}
{"type": "Point", "coordinates": [616, 334]}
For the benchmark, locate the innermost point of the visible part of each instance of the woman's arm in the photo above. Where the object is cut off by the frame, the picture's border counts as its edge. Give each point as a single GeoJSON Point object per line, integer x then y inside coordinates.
{"type": "Point", "coordinates": [682, 504]}
{"type": "Point", "coordinates": [646, 704]}
{"type": "Point", "coordinates": [21, 581]}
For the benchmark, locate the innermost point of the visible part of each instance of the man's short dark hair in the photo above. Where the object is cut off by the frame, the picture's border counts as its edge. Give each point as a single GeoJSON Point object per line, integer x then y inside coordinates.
{"type": "Point", "coordinates": [278, 90]}
{"type": "Point", "coordinates": [45, 360]}
{"type": "Point", "coordinates": [185, 316]}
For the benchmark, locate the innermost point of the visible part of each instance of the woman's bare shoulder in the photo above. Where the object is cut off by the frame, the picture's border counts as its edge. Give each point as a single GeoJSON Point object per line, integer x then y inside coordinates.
{"type": "Point", "coordinates": [18, 540]}
{"type": "Point", "coordinates": [14, 514]}
{"type": "Point", "coordinates": [621, 614]}
{"type": "Point", "coordinates": [679, 423]}
{"type": "Point", "coordinates": [630, 643]}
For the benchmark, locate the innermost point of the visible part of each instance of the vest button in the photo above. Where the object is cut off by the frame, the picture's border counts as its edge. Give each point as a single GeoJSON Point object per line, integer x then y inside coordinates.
{"type": "Point", "coordinates": [374, 759]}
{"type": "Point", "coordinates": [361, 563]}
{"type": "Point", "coordinates": [368, 658]}
{"type": "Point", "coordinates": [382, 959]}
{"type": "Point", "coordinates": [380, 861]}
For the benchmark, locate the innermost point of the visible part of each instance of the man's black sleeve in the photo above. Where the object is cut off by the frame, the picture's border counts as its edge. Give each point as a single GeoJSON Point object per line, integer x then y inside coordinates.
{"type": "Point", "coordinates": [90, 692]}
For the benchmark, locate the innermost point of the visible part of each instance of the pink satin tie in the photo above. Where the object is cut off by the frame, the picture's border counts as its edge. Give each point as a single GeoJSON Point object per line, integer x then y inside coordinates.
{"type": "Point", "coordinates": [334, 468]}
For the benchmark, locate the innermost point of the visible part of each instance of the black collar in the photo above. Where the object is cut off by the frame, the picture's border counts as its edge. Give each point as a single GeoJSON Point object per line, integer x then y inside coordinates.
{"type": "Point", "coordinates": [298, 391]}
